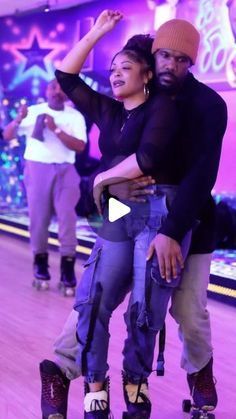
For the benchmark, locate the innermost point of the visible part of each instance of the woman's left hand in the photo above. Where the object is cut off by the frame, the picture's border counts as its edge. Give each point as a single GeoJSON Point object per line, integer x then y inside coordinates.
{"type": "Point", "coordinates": [98, 188]}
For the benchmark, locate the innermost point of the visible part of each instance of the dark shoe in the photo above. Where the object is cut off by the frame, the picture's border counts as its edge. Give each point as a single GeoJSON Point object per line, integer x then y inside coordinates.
{"type": "Point", "coordinates": [202, 387]}
{"type": "Point", "coordinates": [55, 388]}
{"type": "Point", "coordinates": [41, 266]}
{"type": "Point", "coordinates": [137, 399]}
{"type": "Point", "coordinates": [99, 408]}
{"type": "Point", "coordinates": [68, 278]}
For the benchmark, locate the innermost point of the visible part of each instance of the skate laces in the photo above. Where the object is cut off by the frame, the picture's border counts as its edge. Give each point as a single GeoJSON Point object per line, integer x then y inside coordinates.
{"type": "Point", "coordinates": [96, 400]}
{"type": "Point", "coordinates": [137, 393]}
{"type": "Point", "coordinates": [53, 389]}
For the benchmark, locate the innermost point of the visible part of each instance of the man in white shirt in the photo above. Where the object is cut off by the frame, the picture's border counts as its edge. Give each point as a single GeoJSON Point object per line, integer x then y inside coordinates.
{"type": "Point", "coordinates": [54, 133]}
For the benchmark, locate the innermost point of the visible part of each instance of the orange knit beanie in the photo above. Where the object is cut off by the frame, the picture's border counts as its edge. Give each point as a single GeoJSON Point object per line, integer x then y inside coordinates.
{"type": "Point", "coordinates": [179, 35]}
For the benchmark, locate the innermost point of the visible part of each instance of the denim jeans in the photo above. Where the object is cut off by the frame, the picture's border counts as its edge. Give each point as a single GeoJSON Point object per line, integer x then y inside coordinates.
{"type": "Point", "coordinates": [188, 308]}
{"type": "Point", "coordinates": [114, 268]}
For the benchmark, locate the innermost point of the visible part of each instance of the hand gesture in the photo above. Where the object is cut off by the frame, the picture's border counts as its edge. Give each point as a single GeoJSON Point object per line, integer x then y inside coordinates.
{"type": "Point", "coordinates": [22, 113]}
{"type": "Point", "coordinates": [38, 127]}
{"type": "Point", "coordinates": [107, 20]}
{"type": "Point", "coordinates": [49, 122]}
{"type": "Point", "coordinates": [169, 256]}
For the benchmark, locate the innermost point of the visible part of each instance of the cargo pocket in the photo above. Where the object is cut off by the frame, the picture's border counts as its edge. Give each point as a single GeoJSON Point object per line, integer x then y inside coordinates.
{"type": "Point", "coordinates": [84, 293]}
{"type": "Point", "coordinates": [158, 293]}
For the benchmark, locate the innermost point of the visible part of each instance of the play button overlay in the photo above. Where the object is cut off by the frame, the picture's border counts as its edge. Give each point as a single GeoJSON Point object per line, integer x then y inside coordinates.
{"type": "Point", "coordinates": [116, 210]}
{"type": "Point", "coordinates": [122, 218]}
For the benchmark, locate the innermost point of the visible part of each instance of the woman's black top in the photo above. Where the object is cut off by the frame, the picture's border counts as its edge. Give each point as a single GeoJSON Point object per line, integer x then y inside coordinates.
{"type": "Point", "coordinates": [150, 130]}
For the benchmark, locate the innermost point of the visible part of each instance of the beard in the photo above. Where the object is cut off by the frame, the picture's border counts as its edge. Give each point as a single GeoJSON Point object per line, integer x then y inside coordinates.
{"type": "Point", "coordinates": [168, 82]}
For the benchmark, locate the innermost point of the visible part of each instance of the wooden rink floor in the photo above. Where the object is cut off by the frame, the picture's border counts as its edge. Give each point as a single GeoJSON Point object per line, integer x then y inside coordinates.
{"type": "Point", "coordinates": [30, 321]}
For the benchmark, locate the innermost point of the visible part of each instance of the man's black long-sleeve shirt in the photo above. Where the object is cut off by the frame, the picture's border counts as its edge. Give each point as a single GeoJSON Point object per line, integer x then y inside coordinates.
{"type": "Point", "coordinates": [204, 116]}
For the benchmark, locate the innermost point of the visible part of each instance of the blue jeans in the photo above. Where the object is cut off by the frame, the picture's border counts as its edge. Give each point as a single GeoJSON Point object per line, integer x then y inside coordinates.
{"type": "Point", "coordinates": [114, 268]}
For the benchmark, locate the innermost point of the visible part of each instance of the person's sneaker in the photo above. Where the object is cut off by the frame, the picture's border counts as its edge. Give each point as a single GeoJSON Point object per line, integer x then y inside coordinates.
{"type": "Point", "coordinates": [55, 388]}
{"type": "Point", "coordinates": [137, 399]}
{"type": "Point", "coordinates": [97, 403]}
{"type": "Point", "coordinates": [202, 387]}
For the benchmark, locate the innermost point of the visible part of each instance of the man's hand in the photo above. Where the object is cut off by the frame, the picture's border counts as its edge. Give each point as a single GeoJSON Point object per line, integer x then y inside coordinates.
{"type": "Point", "coordinates": [169, 256]}
{"type": "Point", "coordinates": [98, 188]}
{"type": "Point", "coordinates": [49, 122]}
{"type": "Point", "coordinates": [22, 113]}
{"type": "Point", "coordinates": [133, 190]}
{"type": "Point", "coordinates": [38, 127]}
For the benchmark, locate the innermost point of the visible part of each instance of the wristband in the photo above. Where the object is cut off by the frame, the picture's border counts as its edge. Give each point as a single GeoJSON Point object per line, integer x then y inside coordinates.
{"type": "Point", "coordinates": [57, 130]}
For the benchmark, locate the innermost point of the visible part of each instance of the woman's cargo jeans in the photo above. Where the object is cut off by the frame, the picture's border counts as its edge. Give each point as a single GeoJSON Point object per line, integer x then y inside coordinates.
{"type": "Point", "coordinates": [116, 266]}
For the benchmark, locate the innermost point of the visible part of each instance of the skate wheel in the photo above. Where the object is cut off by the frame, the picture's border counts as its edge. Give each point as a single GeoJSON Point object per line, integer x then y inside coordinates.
{"type": "Point", "coordinates": [186, 405]}
{"type": "Point", "coordinates": [40, 285]}
{"type": "Point", "coordinates": [36, 285]}
{"type": "Point", "coordinates": [69, 292]}
{"type": "Point", "coordinates": [44, 285]}
{"type": "Point", "coordinates": [202, 414]}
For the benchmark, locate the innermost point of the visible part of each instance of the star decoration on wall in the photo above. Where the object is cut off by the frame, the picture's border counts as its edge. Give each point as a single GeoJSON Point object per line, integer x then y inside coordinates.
{"type": "Point", "coordinates": [34, 56]}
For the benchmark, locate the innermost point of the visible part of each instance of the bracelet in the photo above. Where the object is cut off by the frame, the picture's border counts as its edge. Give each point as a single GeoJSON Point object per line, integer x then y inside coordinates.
{"type": "Point", "coordinates": [57, 130]}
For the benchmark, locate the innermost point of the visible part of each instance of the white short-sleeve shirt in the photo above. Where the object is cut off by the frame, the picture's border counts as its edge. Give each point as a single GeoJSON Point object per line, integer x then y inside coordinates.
{"type": "Point", "coordinates": [52, 150]}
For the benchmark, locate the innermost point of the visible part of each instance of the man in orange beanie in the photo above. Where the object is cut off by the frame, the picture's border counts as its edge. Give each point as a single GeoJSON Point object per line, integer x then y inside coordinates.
{"type": "Point", "coordinates": [175, 48]}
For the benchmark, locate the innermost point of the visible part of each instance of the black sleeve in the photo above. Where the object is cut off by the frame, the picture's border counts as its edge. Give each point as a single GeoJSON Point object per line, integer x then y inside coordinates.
{"type": "Point", "coordinates": [158, 136]}
{"type": "Point", "coordinates": [92, 104]}
{"type": "Point", "coordinates": [195, 188]}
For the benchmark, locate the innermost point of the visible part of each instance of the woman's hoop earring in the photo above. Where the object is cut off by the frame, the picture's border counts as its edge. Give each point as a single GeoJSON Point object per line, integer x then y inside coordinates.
{"type": "Point", "coordinates": [146, 90]}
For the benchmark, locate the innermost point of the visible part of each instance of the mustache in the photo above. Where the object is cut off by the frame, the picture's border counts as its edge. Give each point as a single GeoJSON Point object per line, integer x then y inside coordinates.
{"type": "Point", "coordinates": [168, 73]}
{"type": "Point", "coordinates": [58, 96]}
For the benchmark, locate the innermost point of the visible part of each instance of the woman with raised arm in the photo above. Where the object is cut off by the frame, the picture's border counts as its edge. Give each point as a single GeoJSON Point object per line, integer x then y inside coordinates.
{"type": "Point", "coordinates": [138, 135]}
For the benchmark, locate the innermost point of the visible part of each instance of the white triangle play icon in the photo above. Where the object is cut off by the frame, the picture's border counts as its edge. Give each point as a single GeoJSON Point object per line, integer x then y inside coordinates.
{"type": "Point", "coordinates": [116, 210]}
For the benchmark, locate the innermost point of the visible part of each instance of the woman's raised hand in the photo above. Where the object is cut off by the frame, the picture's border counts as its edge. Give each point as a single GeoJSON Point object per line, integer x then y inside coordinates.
{"type": "Point", "coordinates": [74, 60]}
{"type": "Point", "coordinates": [107, 20]}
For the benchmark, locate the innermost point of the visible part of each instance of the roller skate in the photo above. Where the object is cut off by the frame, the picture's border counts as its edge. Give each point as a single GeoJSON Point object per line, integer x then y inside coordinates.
{"type": "Point", "coordinates": [41, 273]}
{"type": "Point", "coordinates": [68, 279]}
{"type": "Point", "coordinates": [55, 388]}
{"type": "Point", "coordinates": [203, 392]}
{"type": "Point", "coordinates": [136, 399]}
{"type": "Point", "coordinates": [97, 404]}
